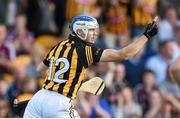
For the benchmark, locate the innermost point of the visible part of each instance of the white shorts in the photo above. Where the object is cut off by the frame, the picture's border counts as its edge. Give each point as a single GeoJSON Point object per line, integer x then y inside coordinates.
{"type": "Point", "coordinates": [49, 104]}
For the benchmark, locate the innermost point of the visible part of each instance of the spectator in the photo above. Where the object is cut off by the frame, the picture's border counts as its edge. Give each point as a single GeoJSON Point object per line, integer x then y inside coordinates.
{"type": "Point", "coordinates": [116, 20]}
{"type": "Point", "coordinates": [37, 54]}
{"type": "Point", "coordinates": [60, 14]}
{"type": "Point", "coordinates": [29, 87]}
{"type": "Point", "coordinates": [143, 11]}
{"type": "Point", "coordinates": [47, 23]}
{"type": "Point", "coordinates": [5, 111]}
{"type": "Point", "coordinates": [115, 82]}
{"type": "Point", "coordinates": [174, 102]}
{"type": "Point", "coordinates": [80, 7]}
{"type": "Point", "coordinates": [168, 24]}
{"type": "Point", "coordinates": [4, 85]}
{"type": "Point", "coordinates": [174, 70]}
{"type": "Point", "coordinates": [8, 11]}
{"type": "Point", "coordinates": [20, 74]}
{"type": "Point", "coordinates": [170, 89]}
{"type": "Point", "coordinates": [169, 85]}
{"type": "Point", "coordinates": [92, 106]}
{"type": "Point", "coordinates": [158, 63]}
{"type": "Point", "coordinates": [20, 36]}
{"type": "Point", "coordinates": [6, 50]}
{"type": "Point", "coordinates": [143, 91]}
{"type": "Point", "coordinates": [77, 7]}
{"type": "Point", "coordinates": [166, 110]}
{"type": "Point", "coordinates": [34, 15]}
{"type": "Point", "coordinates": [134, 68]}
{"type": "Point", "coordinates": [155, 104]}
{"type": "Point", "coordinates": [177, 42]}
{"type": "Point", "coordinates": [122, 41]}
{"type": "Point", "coordinates": [127, 107]}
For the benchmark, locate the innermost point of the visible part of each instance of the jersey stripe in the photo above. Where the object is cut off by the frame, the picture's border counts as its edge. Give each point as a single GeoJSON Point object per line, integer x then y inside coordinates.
{"type": "Point", "coordinates": [87, 55]}
{"type": "Point", "coordinates": [75, 80]}
{"type": "Point", "coordinates": [55, 87]}
{"type": "Point", "coordinates": [70, 59]}
{"type": "Point", "coordinates": [66, 52]}
{"type": "Point", "coordinates": [62, 50]}
{"type": "Point", "coordinates": [66, 74]}
{"type": "Point", "coordinates": [71, 73]}
{"type": "Point", "coordinates": [79, 83]}
{"type": "Point", "coordinates": [52, 52]}
{"type": "Point", "coordinates": [90, 53]}
{"type": "Point", "coordinates": [49, 85]}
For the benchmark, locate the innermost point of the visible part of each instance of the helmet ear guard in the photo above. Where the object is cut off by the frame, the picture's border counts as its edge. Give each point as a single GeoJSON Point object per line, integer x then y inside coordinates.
{"type": "Point", "coordinates": [83, 23]}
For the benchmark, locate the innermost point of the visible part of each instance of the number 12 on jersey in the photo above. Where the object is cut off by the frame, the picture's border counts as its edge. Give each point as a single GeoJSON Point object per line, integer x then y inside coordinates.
{"type": "Point", "coordinates": [60, 71]}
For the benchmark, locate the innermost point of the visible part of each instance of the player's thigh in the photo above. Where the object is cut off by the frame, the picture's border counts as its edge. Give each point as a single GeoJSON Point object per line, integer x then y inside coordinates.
{"type": "Point", "coordinates": [59, 109]}
{"type": "Point", "coordinates": [31, 110]}
{"type": "Point", "coordinates": [69, 113]}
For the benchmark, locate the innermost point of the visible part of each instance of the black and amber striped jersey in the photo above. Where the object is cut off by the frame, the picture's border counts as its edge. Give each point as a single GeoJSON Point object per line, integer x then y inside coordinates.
{"type": "Point", "coordinates": [67, 62]}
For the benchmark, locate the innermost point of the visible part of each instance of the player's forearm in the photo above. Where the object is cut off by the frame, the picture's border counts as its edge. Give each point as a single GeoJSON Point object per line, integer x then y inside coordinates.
{"type": "Point", "coordinates": [133, 48]}
{"type": "Point", "coordinates": [150, 31]}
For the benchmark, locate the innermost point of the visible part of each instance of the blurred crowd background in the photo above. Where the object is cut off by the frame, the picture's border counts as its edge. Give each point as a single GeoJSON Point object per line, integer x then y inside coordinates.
{"type": "Point", "coordinates": [138, 87]}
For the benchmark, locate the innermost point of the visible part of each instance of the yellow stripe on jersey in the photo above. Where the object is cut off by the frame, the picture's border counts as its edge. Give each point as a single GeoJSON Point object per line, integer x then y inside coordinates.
{"type": "Point", "coordinates": [50, 55]}
{"type": "Point", "coordinates": [65, 55]}
{"type": "Point", "coordinates": [91, 57]}
{"type": "Point", "coordinates": [45, 81]}
{"type": "Point", "coordinates": [72, 73]}
{"type": "Point", "coordinates": [87, 56]}
{"type": "Point", "coordinates": [55, 87]}
{"type": "Point", "coordinates": [59, 49]}
{"type": "Point", "coordinates": [81, 77]}
{"type": "Point", "coordinates": [49, 85]}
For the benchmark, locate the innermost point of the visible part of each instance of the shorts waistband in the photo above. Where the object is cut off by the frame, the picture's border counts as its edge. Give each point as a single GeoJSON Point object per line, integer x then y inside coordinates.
{"type": "Point", "coordinates": [53, 93]}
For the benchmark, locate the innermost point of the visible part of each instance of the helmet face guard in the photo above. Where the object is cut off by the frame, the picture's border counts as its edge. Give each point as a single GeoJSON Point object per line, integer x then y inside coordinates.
{"type": "Point", "coordinates": [83, 23]}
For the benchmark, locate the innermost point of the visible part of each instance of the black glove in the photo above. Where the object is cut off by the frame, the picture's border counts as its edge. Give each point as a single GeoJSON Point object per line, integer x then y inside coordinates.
{"type": "Point", "coordinates": [151, 30]}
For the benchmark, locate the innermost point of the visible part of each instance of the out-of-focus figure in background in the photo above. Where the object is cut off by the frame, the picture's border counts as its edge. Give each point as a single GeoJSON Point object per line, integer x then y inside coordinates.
{"type": "Point", "coordinates": [5, 111]}
{"type": "Point", "coordinates": [7, 52]}
{"type": "Point", "coordinates": [20, 36]}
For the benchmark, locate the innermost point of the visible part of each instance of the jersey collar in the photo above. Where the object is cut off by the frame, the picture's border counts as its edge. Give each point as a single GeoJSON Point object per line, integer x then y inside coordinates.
{"type": "Point", "coordinates": [78, 40]}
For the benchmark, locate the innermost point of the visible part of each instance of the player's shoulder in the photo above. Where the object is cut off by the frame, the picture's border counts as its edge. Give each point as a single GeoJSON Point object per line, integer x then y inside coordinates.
{"type": "Point", "coordinates": [82, 46]}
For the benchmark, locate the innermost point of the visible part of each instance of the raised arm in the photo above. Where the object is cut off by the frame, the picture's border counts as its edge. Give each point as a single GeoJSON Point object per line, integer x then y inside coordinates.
{"type": "Point", "coordinates": [133, 48]}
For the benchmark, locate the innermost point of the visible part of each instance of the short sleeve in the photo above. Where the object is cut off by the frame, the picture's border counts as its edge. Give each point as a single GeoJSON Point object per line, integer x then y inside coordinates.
{"type": "Point", "coordinates": [89, 54]}
{"type": "Point", "coordinates": [96, 53]}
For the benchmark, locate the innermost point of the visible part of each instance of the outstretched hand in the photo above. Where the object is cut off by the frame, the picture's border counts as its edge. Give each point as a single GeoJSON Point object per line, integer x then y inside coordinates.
{"type": "Point", "coordinates": [151, 29]}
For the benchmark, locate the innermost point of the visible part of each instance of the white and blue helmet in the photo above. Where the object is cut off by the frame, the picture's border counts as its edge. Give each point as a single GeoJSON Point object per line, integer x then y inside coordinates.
{"type": "Point", "coordinates": [84, 23]}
